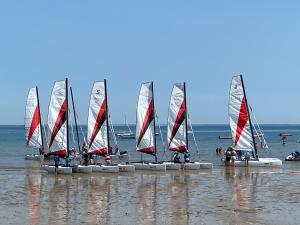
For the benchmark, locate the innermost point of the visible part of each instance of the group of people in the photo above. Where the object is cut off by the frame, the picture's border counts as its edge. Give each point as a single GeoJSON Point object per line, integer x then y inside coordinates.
{"type": "Point", "coordinates": [87, 158]}
{"type": "Point", "coordinates": [231, 155]}
{"type": "Point", "coordinates": [186, 155]}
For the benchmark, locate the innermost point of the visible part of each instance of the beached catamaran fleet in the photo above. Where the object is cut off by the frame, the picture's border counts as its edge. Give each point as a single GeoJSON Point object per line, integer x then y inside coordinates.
{"type": "Point", "coordinates": [97, 144]}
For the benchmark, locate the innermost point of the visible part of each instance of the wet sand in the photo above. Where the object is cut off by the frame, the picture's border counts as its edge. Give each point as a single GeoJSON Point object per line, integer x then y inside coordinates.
{"type": "Point", "coordinates": [220, 196]}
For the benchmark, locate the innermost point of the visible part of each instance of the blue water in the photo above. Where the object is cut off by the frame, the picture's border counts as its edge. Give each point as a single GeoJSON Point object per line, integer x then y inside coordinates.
{"type": "Point", "coordinates": [13, 147]}
{"type": "Point", "coordinates": [223, 195]}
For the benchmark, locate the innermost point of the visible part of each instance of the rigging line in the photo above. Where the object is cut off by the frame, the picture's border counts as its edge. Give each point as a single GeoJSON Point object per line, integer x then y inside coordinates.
{"type": "Point", "coordinates": [194, 138]}
{"type": "Point", "coordinates": [127, 124]}
{"type": "Point", "coordinates": [45, 134]}
{"type": "Point", "coordinates": [112, 129]}
{"type": "Point", "coordinates": [160, 131]}
{"type": "Point", "coordinates": [72, 129]}
{"type": "Point", "coordinates": [82, 133]}
{"type": "Point", "coordinates": [265, 145]}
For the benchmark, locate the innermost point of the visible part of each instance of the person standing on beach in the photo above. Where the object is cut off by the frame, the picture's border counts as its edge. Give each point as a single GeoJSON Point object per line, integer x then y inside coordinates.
{"type": "Point", "coordinates": [233, 156]}
{"type": "Point", "coordinates": [56, 163]}
{"type": "Point", "coordinates": [228, 156]}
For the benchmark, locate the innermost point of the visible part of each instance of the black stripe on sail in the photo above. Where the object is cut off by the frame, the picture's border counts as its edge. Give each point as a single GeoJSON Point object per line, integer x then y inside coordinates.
{"type": "Point", "coordinates": [99, 125]}
{"type": "Point", "coordinates": [149, 120]}
{"type": "Point", "coordinates": [177, 125]}
{"type": "Point", "coordinates": [61, 122]}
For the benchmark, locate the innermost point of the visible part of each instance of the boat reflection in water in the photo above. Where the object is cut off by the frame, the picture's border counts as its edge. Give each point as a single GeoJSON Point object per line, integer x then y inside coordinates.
{"type": "Point", "coordinates": [33, 186]}
{"type": "Point", "coordinates": [222, 196]}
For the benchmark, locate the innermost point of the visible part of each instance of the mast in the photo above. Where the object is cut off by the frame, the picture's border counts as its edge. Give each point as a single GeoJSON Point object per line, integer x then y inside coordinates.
{"type": "Point", "coordinates": [186, 118]}
{"type": "Point", "coordinates": [67, 116]}
{"type": "Point", "coordinates": [107, 122]}
{"type": "Point", "coordinates": [75, 119]}
{"type": "Point", "coordinates": [41, 126]}
{"type": "Point", "coordinates": [154, 131]}
{"type": "Point", "coordinates": [251, 128]}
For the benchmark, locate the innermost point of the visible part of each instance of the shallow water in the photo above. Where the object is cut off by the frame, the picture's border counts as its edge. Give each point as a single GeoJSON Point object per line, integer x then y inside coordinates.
{"type": "Point", "coordinates": [220, 196]}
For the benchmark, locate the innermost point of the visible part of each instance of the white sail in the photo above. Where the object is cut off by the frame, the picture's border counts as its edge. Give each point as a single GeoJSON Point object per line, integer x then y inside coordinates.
{"type": "Point", "coordinates": [145, 137]}
{"type": "Point", "coordinates": [176, 120]}
{"type": "Point", "coordinates": [97, 135]}
{"type": "Point", "coordinates": [239, 117]}
{"type": "Point", "coordinates": [57, 119]}
{"type": "Point", "coordinates": [33, 131]}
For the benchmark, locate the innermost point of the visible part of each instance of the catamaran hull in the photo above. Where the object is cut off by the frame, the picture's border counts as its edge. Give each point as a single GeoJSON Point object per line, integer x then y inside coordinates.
{"type": "Point", "coordinates": [60, 169]}
{"type": "Point", "coordinates": [104, 169]}
{"type": "Point", "coordinates": [206, 165]}
{"type": "Point", "coordinates": [188, 166]}
{"type": "Point", "coordinates": [191, 166]}
{"type": "Point", "coordinates": [172, 166]}
{"type": "Point", "coordinates": [150, 166]}
{"type": "Point", "coordinates": [126, 168]}
{"type": "Point", "coordinates": [82, 169]}
{"type": "Point", "coordinates": [262, 162]}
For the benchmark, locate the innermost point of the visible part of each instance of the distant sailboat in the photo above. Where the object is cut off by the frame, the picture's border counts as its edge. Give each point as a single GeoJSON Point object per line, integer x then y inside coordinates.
{"type": "Point", "coordinates": [241, 126]}
{"type": "Point", "coordinates": [98, 127]}
{"type": "Point", "coordinates": [33, 124]}
{"type": "Point", "coordinates": [58, 128]}
{"type": "Point", "coordinates": [126, 134]}
{"type": "Point", "coordinates": [145, 128]}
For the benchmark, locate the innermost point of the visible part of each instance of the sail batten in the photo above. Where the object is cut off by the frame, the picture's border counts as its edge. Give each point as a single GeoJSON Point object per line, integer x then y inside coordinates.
{"type": "Point", "coordinates": [57, 119]}
{"type": "Point", "coordinates": [145, 130]}
{"type": "Point", "coordinates": [239, 117]}
{"type": "Point", "coordinates": [33, 130]}
{"type": "Point", "coordinates": [177, 128]}
{"type": "Point", "coordinates": [97, 136]}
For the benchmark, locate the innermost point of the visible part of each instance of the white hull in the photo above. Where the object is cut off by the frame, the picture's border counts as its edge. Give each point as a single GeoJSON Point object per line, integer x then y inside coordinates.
{"type": "Point", "coordinates": [32, 157]}
{"type": "Point", "coordinates": [126, 168]}
{"type": "Point", "coordinates": [291, 158]}
{"type": "Point", "coordinates": [262, 162]}
{"type": "Point", "coordinates": [172, 165]}
{"type": "Point", "coordinates": [206, 165]}
{"type": "Point", "coordinates": [82, 169]}
{"type": "Point", "coordinates": [105, 169]}
{"type": "Point", "coordinates": [60, 169]}
{"type": "Point", "coordinates": [191, 166]}
{"type": "Point", "coordinates": [188, 166]}
{"type": "Point", "coordinates": [150, 166]}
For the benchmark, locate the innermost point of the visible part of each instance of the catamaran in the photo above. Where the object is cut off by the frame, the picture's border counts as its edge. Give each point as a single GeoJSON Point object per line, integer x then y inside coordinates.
{"type": "Point", "coordinates": [242, 129]}
{"type": "Point", "coordinates": [33, 124]}
{"type": "Point", "coordinates": [177, 132]}
{"type": "Point", "coordinates": [98, 127]}
{"type": "Point", "coordinates": [58, 126]}
{"type": "Point", "coordinates": [77, 168]}
{"type": "Point", "coordinates": [126, 134]}
{"type": "Point", "coordinates": [145, 129]}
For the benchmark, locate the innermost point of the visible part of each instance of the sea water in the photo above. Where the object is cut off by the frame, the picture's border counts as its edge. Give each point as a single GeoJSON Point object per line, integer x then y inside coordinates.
{"type": "Point", "coordinates": [218, 196]}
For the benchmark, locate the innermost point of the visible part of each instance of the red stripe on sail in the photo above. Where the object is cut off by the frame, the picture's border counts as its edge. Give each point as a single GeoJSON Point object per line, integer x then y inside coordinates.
{"type": "Point", "coordinates": [242, 120]}
{"type": "Point", "coordinates": [99, 121]}
{"type": "Point", "coordinates": [34, 123]}
{"type": "Point", "coordinates": [147, 120]}
{"type": "Point", "coordinates": [147, 150]}
{"type": "Point", "coordinates": [99, 151]}
{"type": "Point", "coordinates": [61, 118]}
{"type": "Point", "coordinates": [179, 148]}
{"type": "Point", "coordinates": [178, 121]}
{"type": "Point", "coordinates": [62, 152]}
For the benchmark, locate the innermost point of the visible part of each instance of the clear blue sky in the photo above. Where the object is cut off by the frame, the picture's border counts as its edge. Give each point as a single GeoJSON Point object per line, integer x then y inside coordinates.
{"type": "Point", "coordinates": [128, 42]}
